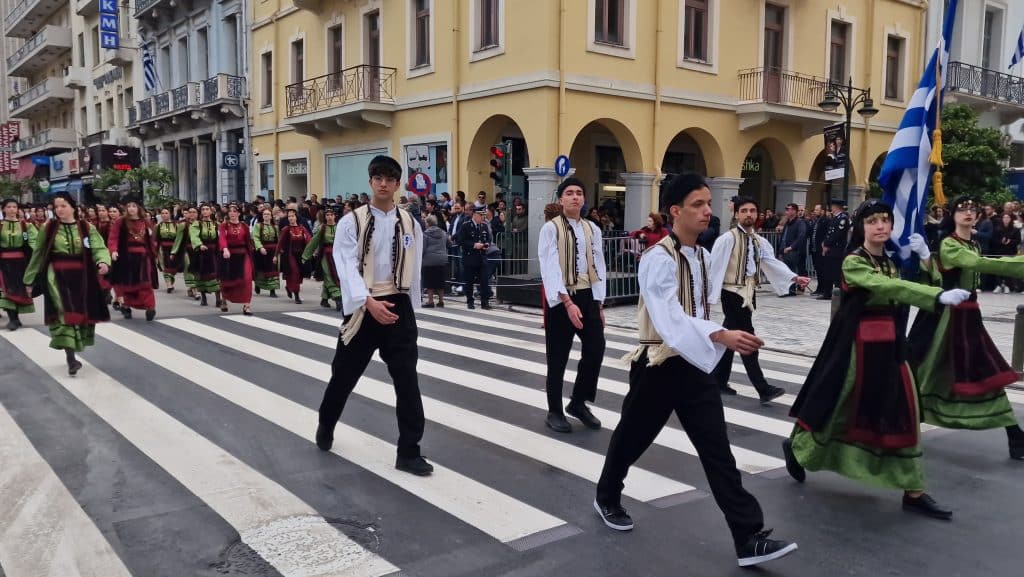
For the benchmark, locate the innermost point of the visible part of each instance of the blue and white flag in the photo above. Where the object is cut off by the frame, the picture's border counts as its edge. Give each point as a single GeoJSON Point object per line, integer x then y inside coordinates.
{"type": "Point", "coordinates": [148, 69]}
{"type": "Point", "coordinates": [906, 173]}
{"type": "Point", "coordinates": [1018, 52]}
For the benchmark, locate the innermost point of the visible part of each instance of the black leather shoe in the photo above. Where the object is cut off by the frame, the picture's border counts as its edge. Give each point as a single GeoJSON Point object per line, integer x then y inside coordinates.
{"type": "Point", "coordinates": [1016, 447]}
{"type": "Point", "coordinates": [126, 312]}
{"type": "Point", "coordinates": [1014, 437]}
{"type": "Point", "coordinates": [74, 367]}
{"type": "Point", "coordinates": [324, 437]}
{"type": "Point", "coordinates": [614, 517]}
{"type": "Point", "coordinates": [470, 306]}
{"type": "Point", "coordinates": [324, 303]}
{"type": "Point", "coordinates": [415, 465]}
{"type": "Point", "coordinates": [824, 298]}
{"type": "Point", "coordinates": [256, 290]}
{"type": "Point", "coordinates": [486, 306]}
{"type": "Point", "coordinates": [925, 505]}
{"type": "Point", "coordinates": [582, 412]}
{"type": "Point", "coordinates": [771, 393]}
{"type": "Point", "coordinates": [793, 467]}
{"type": "Point", "coordinates": [558, 423]}
{"type": "Point", "coordinates": [727, 390]}
{"type": "Point", "coordinates": [150, 315]}
{"type": "Point", "coordinates": [273, 294]}
{"type": "Point", "coordinates": [760, 549]}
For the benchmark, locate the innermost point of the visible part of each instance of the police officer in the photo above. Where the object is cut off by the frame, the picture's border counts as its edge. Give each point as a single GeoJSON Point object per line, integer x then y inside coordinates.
{"type": "Point", "coordinates": [833, 248]}
{"type": "Point", "coordinates": [475, 237]}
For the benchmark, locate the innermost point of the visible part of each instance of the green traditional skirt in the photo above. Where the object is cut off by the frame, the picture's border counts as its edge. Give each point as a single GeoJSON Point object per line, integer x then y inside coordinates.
{"type": "Point", "coordinates": [9, 305]}
{"type": "Point", "coordinates": [330, 289]}
{"type": "Point", "coordinates": [74, 337]}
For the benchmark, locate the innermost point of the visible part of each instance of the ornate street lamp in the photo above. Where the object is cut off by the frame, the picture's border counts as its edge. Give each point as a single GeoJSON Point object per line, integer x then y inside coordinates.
{"type": "Point", "coordinates": [843, 94]}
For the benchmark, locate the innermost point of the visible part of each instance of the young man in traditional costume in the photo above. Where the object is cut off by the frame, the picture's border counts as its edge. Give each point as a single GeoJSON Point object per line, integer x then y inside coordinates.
{"type": "Point", "coordinates": [738, 259]}
{"type": "Point", "coordinates": [857, 413]}
{"type": "Point", "coordinates": [573, 273]}
{"type": "Point", "coordinates": [17, 240]}
{"type": "Point", "coordinates": [671, 372]}
{"type": "Point", "coordinates": [379, 250]}
{"type": "Point", "coordinates": [961, 376]}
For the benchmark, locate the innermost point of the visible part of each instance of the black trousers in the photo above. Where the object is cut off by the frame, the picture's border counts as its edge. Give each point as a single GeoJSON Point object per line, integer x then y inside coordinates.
{"type": "Point", "coordinates": [738, 317]}
{"type": "Point", "coordinates": [831, 271]}
{"type": "Point", "coordinates": [558, 334]}
{"type": "Point", "coordinates": [818, 269]}
{"type": "Point", "coordinates": [397, 345]}
{"type": "Point", "coordinates": [478, 274]}
{"type": "Point", "coordinates": [654, 394]}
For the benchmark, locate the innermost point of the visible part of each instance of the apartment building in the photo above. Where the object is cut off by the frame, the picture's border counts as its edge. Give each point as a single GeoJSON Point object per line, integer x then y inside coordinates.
{"type": "Point", "coordinates": [192, 119]}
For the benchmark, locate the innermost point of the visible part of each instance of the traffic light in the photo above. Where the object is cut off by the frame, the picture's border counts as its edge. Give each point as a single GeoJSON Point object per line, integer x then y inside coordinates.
{"type": "Point", "coordinates": [501, 157]}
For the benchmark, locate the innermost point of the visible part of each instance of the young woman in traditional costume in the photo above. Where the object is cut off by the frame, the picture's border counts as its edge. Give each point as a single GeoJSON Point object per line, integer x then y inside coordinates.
{"type": "Point", "coordinates": [205, 239]}
{"type": "Point", "coordinates": [264, 240]}
{"type": "Point", "coordinates": [960, 374]}
{"type": "Point", "coordinates": [68, 257]}
{"type": "Point", "coordinates": [133, 247]}
{"type": "Point", "coordinates": [294, 239]}
{"type": "Point", "coordinates": [857, 413]}
{"type": "Point", "coordinates": [183, 250]}
{"type": "Point", "coordinates": [321, 246]}
{"type": "Point", "coordinates": [168, 234]}
{"type": "Point", "coordinates": [17, 240]}
{"type": "Point", "coordinates": [235, 271]}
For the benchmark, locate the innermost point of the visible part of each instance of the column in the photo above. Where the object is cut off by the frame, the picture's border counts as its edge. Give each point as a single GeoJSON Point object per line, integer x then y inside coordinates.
{"type": "Point", "coordinates": [204, 184]}
{"type": "Point", "coordinates": [723, 189]}
{"type": "Point", "coordinates": [790, 191]}
{"type": "Point", "coordinates": [181, 168]}
{"type": "Point", "coordinates": [226, 179]}
{"type": "Point", "coordinates": [855, 197]}
{"type": "Point", "coordinates": [638, 198]}
{"type": "Point", "coordinates": [540, 191]}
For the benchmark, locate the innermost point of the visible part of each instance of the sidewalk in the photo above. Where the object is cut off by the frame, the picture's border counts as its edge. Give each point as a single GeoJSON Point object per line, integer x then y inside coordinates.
{"type": "Point", "coordinates": [798, 324]}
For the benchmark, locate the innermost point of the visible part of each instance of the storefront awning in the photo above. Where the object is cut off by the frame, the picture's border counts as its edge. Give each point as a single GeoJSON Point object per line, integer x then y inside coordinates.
{"type": "Point", "coordinates": [57, 187]}
{"type": "Point", "coordinates": [74, 186]}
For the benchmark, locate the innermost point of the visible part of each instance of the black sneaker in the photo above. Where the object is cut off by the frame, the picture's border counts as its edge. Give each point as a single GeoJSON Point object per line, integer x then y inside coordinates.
{"type": "Point", "coordinates": [1016, 447]}
{"type": "Point", "coordinates": [324, 437]}
{"type": "Point", "coordinates": [415, 465]}
{"type": "Point", "coordinates": [771, 393]}
{"type": "Point", "coordinates": [582, 412]}
{"type": "Point", "coordinates": [793, 467]}
{"type": "Point", "coordinates": [727, 390]}
{"type": "Point", "coordinates": [614, 517]}
{"type": "Point", "coordinates": [558, 423]}
{"type": "Point", "coordinates": [927, 506]}
{"type": "Point", "coordinates": [759, 549]}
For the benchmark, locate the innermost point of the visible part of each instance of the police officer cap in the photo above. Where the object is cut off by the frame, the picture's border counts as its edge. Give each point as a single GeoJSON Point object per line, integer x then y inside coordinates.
{"type": "Point", "coordinates": [480, 210]}
{"type": "Point", "coordinates": [837, 202]}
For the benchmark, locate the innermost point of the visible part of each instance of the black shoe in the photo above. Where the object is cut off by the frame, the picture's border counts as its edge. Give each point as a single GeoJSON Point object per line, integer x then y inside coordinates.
{"type": "Point", "coordinates": [256, 290]}
{"type": "Point", "coordinates": [558, 423]}
{"type": "Point", "coordinates": [13, 325]}
{"type": "Point", "coordinates": [126, 312]}
{"type": "Point", "coordinates": [337, 305]}
{"type": "Point", "coordinates": [170, 289]}
{"type": "Point", "coordinates": [324, 437]}
{"type": "Point", "coordinates": [582, 412]}
{"type": "Point", "coordinates": [727, 390]}
{"type": "Point", "coordinates": [203, 302]}
{"type": "Point", "coordinates": [115, 305]}
{"type": "Point", "coordinates": [1016, 445]}
{"type": "Point", "coordinates": [926, 506]}
{"type": "Point", "coordinates": [470, 306]}
{"type": "Point", "coordinates": [614, 517]}
{"type": "Point", "coordinates": [486, 306]}
{"type": "Point", "coordinates": [415, 465]}
{"type": "Point", "coordinates": [273, 294]}
{"type": "Point", "coordinates": [150, 315]}
{"type": "Point", "coordinates": [771, 393]}
{"type": "Point", "coordinates": [289, 293]}
{"type": "Point", "coordinates": [74, 367]}
{"type": "Point", "coordinates": [824, 297]}
{"type": "Point", "coordinates": [759, 549]}
{"type": "Point", "coordinates": [298, 301]}
{"type": "Point", "coordinates": [325, 304]}
{"type": "Point", "coordinates": [793, 467]}
{"type": "Point", "coordinates": [428, 305]}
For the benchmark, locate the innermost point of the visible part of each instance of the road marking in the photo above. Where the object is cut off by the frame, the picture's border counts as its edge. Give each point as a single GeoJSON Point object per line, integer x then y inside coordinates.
{"type": "Point", "coordinates": [748, 461]}
{"type": "Point", "coordinates": [43, 531]}
{"type": "Point", "coordinates": [258, 508]}
{"type": "Point", "coordinates": [641, 484]}
{"type": "Point", "coordinates": [496, 514]}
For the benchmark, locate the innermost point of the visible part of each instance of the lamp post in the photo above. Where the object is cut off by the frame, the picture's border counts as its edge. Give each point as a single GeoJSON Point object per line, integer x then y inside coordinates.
{"type": "Point", "coordinates": [843, 94]}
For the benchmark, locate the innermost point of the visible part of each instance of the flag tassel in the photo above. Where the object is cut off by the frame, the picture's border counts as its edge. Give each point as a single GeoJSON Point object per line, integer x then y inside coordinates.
{"type": "Point", "coordinates": [936, 155]}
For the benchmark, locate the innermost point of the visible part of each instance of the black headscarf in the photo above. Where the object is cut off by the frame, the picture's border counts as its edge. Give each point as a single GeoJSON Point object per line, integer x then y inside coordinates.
{"type": "Point", "coordinates": [867, 208]}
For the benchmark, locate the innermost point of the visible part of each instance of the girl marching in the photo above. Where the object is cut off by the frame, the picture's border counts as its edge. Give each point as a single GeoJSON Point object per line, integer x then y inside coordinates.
{"type": "Point", "coordinates": [183, 248]}
{"type": "Point", "coordinates": [168, 235]}
{"type": "Point", "coordinates": [264, 239]}
{"type": "Point", "coordinates": [235, 270]}
{"type": "Point", "coordinates": [133, 248]}
{"type": "Point", "coordinates": [17, 239]}
{"type": "Point", "coordinates": [321, 246]}
{"type": "Point", "coordinates": [68, 257]}
{"type": "Point", "coordinates": [205, 239]}
{"type": "Point", "coordinates": [294, 239]}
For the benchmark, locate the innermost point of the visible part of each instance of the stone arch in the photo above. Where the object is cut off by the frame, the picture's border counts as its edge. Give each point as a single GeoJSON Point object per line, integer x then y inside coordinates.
{"type": "Point", "coordinates": [603, 150]}
{"type": "Point", "coordinates": [822, 191]}
{"type": "Point", "coordinates": [767, 162]}
{"type": "Point", "coordinates": [489, 132]}
{"type": "Point", "coordinates": [693, 149]}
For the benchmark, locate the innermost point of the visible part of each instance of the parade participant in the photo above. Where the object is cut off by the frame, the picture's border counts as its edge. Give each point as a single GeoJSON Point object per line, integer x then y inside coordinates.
{"type": "Point", "coordinates": [168, 235]}
{"type": "Point", "coordinates": [320, 247]}
{"type": "Point", "coordinates": [183, 249]}
{"type": "Point", "coordinates": [671, 372]}
{"type": "Point", "coordinates": [857, 413]}
{"type": "Point", "coordinates": [205, 239]}
{"type": "Point", "coordinates": [738, 259]}
{"type": "Point", "coordinates": [40, 218]}
{"type": "Point", "coordinates": [475, 238]}
{"type": "Point", "coordinates": [294, 238]}
{"type": "Point", "coordinates": [379, 251]}
{"type": "Point", "coordinates": [107, 281]}
{"type": "Point", "coordinates": [133, 248]}
{"type": "Point", "coordinates": [67, 257]}
{"type": "Point", "coordinates": [960, 374]}
{"type": "Point", "coordinates": [573, 274]}
{"type": "Point", "coordinates": [235, 271]}
{"type": "Point", "coordinates": [264, 240]}
{"type": "Point", "coordinates": [833, 250]}
{"type": "Point", "coordinates": [17, 240]}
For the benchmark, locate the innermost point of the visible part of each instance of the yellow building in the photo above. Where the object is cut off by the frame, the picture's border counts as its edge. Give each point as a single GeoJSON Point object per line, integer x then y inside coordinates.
{"type": "Point", "coordinates": [630, 90]}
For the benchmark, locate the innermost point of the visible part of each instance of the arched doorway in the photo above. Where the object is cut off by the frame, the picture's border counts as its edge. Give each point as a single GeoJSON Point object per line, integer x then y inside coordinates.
{"type": "Point", "coordinates": [758, 174]}
{"type": "Point", "coordinates": [683, 155]}
{"type": "Point", "coordinates": [602, 151]}
{"type": "Point", "coordinates": [498, 128]}
{"type": "Point", "coordinates": [874, 189]}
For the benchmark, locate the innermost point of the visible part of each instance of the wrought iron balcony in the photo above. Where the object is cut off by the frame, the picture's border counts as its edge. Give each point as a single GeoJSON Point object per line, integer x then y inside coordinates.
{"type": "Point", "coordinates": [188, 104]}
{"type": "Point", "coordinates": [223, 87]}
{"type": "Point", "coordinates": [141, 6]}
{"type": "Point", "coordinates": [28, 16]}
{"type": "Point", "coordinates": [42, 97]}
{"type": "Point", "coordinates": [990, 88]}
{"type": "Point", "coordinates": [40, 51]}
{"type": "Point", "coordinates": [775, 93]}
{"type": "Point", "coordinates": [45, 140]}
{"type": "Point", "coordinates": [358, 94]}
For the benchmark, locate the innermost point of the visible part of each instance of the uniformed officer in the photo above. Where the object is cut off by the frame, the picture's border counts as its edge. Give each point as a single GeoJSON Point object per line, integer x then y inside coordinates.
{"type": "Point", "coordinates": [476, 238]}
{"type": "Point", "coordinates": [833, 249]}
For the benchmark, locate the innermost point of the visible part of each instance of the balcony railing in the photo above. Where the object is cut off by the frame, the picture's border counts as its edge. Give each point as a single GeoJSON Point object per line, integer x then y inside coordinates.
{"type": "Point", "coordinates": [26, 48]}
{"type": "Point", "coordinates": [223, 86]}
{"type": "Point", "coordinates": [133, 116]}
{"type": "Point", "coordinates": [985, 83]}
{"type": "Point", "coordinates": [142, 5]}
{"type": "Point", "coordinates": [778, 86]}
{"type": "Point", "coordinates": [49, 85]}
{"type": "Point", "coordinates": [55, 137]}
{"type": "Point", "coordinates": [17, 12]}
{"type": "Point", "coordinates": [190, 95]}
{"type": "Point", "coordinates": [145, 109]}
{"type": "Point", "coordinates": [163, 103]}
{"type": "Point", "coordinates": [361, 83]}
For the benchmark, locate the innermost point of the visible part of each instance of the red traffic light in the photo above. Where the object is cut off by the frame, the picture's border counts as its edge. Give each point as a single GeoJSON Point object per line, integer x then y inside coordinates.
{"type": "Point", "coordinates": [498, 151]}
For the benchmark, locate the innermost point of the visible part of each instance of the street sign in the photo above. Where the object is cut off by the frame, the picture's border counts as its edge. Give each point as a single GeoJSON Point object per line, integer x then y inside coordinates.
{"type": "Point", "coordinates": [231, 161]}
{"type": "Point", "coordinates": [562, 165]}
{"type": "Point", "coordinates": [419, 183]}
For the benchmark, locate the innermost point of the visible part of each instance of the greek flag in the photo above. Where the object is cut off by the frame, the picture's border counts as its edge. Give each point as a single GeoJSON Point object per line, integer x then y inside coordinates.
{"type": "Point", "coordinates": [1018, 52]}
{"type": "Point", "coordinates": [906, 172]}
{"type": "Point", "coordinates": [148, 69]}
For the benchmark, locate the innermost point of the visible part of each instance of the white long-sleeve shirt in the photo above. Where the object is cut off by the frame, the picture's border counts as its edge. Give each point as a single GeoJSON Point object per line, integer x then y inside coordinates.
{"type": "Point", "coordinates": [778, 274]}
{"type": "Point", "coordinates": [690, 336]}
{"type": "Point", "coordinates": [551, 267]}
{"type": "Point", "coordinates": [347, 257]}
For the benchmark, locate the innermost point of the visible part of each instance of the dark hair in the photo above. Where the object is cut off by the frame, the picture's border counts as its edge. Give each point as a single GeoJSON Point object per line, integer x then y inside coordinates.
{"type": "Point", "coordinates": [67, 198]}
{"type": "Point", "coordinates": [867, 208]}
{"type": "Point", "coordinates": [571, 181]}
{"type": "Point", "coordinates": [794, 206]}
{"type": "Point", "coordinates": [740, 201]}
{"type": "Point", "coordinates": [676, 190]}
{"type": "Point", "coordinates": [7, 201]}
{"type": "Point", "coordinates": [385, 166]}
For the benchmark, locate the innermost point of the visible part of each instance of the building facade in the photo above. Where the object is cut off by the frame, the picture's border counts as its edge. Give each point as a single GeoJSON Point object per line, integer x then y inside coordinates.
{"type": "Point", "coordinates": [193, 118]}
